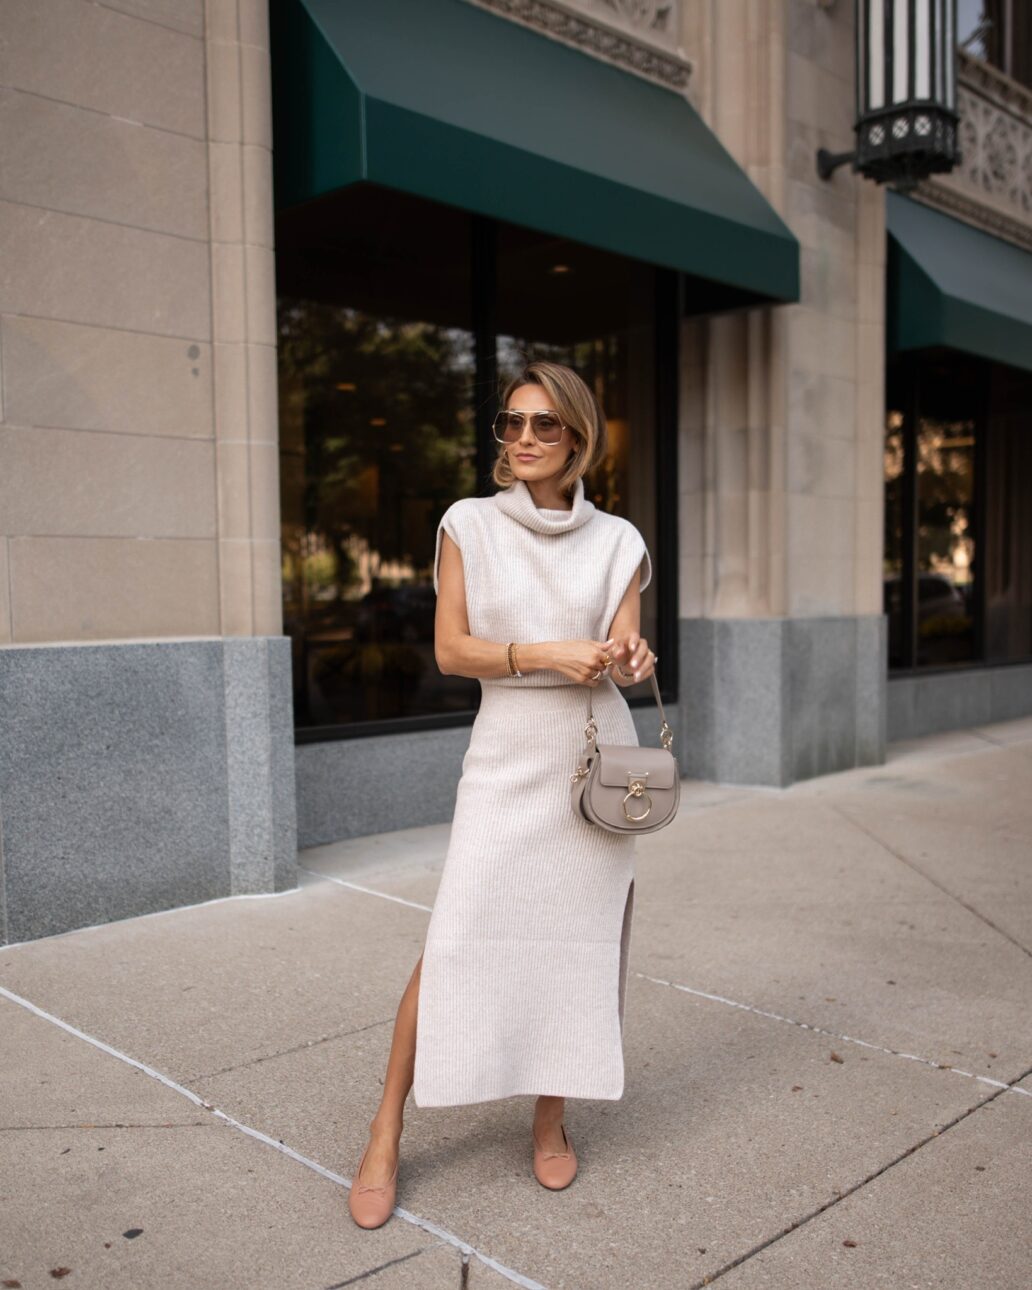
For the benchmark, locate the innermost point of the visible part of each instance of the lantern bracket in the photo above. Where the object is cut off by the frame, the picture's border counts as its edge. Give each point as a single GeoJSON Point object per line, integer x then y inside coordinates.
{"type": "Point", "coordinates": [828, 162]}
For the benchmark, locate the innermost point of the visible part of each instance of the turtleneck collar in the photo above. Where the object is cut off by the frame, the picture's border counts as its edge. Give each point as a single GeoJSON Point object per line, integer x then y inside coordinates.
{"type": "Point", "coordinates": [518, 502]}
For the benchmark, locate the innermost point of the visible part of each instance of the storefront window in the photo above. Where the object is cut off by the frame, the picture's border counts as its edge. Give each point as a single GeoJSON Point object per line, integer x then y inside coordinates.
{"type": "Point", "coordinates": [892, 569]}
{"type": "Point", "coordinates": [399, 321]}
{"type": "Point", "coordinates": [958, 545]}
{"type": "Point", "coordinates": [376, 440]}
{"type": "Point", "coordinates": [1008, 539]}
{"type": "Point", "coordinates": [945, 540]}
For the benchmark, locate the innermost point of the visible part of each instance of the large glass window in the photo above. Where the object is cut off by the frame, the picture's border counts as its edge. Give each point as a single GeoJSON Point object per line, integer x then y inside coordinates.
{"type": "Point", "coordinates": [399, 320]}
{"type": "Point", "coordinates": [1008, 539]}
{"type": "Point", "coordinates": [376, 440]}
{"type": "Point", "coordinates": [958, 543]}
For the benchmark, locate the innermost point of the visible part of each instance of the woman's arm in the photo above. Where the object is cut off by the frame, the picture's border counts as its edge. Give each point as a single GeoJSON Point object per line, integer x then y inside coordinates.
{"type": "Point", "coordinates": [456, 651]}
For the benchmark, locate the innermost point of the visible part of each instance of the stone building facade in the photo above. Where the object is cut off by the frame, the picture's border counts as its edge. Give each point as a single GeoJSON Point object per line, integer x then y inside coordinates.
{"type": "Point", "coordinates": [151, 751]}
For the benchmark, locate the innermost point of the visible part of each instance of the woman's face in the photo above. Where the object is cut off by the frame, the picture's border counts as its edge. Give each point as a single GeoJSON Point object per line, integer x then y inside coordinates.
{"type": "Point", "coordinates": [530, 459]}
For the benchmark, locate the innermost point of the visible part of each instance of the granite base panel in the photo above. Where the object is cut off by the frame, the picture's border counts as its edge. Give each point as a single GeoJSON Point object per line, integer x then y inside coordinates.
{"type": "Point", "coordinates": [770, 701]}
{"type": "Point", "coordinates": [928, 705]}
{"type": "Point", "coordinates": [138, 776]}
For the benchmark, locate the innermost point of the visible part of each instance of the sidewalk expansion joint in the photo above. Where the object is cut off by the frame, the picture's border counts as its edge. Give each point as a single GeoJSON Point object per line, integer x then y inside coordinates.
{"type": "Point", "coordinates": [710, 1278]}
{"type": "Point", "coordinates": [297, 1048]}
{"type": "Point", "coordinates": [381, 1267]}
{"type": "Point", "coordinates": [915, 868]}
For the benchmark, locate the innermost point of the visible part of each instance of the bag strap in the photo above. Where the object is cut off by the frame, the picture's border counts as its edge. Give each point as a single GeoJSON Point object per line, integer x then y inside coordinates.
{"type": "Point", "coordinates": [666, 735]}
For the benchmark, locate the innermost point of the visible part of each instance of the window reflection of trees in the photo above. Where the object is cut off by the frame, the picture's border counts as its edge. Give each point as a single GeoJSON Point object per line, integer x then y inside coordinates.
{"type": "Point", "coordinates": [945, 546]}
{"type": "Point", "coordinates": [892, 558]}
{"type": "Point", "coordinates": [376, 441]}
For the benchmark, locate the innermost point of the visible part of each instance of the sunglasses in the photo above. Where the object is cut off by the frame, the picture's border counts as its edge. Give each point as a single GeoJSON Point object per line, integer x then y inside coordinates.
{"type": "Point", "coordinates": [508, 427]}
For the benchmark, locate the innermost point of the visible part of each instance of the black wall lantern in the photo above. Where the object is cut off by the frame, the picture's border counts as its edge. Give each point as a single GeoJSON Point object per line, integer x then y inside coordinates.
{"type": "Point", "coordinates": [906, 92]}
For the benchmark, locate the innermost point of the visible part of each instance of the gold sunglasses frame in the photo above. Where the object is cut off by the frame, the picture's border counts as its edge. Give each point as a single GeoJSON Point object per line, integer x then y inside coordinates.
{"type": "Point", "coordinates": [525, 413]}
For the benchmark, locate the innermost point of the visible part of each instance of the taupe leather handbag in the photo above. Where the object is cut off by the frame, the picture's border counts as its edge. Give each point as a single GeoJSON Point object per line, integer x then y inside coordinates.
{"type": "Point", "coordinates": [623, 787]}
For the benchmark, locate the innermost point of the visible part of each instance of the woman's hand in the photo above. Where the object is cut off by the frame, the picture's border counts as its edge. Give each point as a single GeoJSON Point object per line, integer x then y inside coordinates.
{"type": "Point", "coordinates": [632, 654]}
{"type": "Point", "coordinates": [580, 660]}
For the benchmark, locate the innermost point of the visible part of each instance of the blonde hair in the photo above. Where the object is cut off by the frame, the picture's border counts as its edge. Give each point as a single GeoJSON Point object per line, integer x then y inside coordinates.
{"type": "Point", "coordinates": [576, 405]}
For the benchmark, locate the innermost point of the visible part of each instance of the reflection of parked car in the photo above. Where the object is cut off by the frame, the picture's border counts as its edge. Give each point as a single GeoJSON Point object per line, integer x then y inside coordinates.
{"type": "Point", "coordinates": [404, 613]}
{"type": "Point", "coordinates": [943, 611]}
{"type": "Point", "coordinates": [936, 595]}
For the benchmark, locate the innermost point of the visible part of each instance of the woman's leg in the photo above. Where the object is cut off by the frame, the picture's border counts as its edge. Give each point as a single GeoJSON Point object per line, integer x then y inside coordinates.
{"type": "Point", "coordinates": [548, 1115]}
{"type": "Point", "coordinates": [386, 1125]}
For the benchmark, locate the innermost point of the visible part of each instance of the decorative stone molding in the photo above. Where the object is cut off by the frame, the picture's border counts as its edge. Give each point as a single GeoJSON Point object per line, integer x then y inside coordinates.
{"type": "Point", "coordinates": [955, 201]}
{"type": "Point", "coordinates": [992, 185]}
{"type": "Point", "coordinates": [640, 36]}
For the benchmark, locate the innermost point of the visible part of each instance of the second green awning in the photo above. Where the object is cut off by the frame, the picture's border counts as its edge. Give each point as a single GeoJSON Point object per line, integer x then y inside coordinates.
{"type": "Point", "coordinates": [952, 284]}
{"type": "Point", "coordinates": [444, 100]}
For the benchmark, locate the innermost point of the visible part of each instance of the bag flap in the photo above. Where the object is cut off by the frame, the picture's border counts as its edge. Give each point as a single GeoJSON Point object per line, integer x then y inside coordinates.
{"type": "Point", "coordinates": [621, 758]}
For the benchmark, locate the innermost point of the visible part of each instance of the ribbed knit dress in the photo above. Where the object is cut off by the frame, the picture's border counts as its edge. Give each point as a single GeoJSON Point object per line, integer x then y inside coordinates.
{"type": "Point", "coordinates": [525, 962]}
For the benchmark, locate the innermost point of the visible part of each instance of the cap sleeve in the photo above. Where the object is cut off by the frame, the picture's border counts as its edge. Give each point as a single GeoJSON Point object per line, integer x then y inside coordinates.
{"type": "Point", "coordinates": [451, 524]}
{"type": "Point", "coordinates": [645, 561]}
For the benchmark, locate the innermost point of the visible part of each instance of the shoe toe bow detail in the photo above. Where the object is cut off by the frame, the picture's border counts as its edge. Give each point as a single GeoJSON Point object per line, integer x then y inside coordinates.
{"type": "Point", "coordinates": [371, 1204]}
{"type": "Point", "coordinates": [555, 1169]}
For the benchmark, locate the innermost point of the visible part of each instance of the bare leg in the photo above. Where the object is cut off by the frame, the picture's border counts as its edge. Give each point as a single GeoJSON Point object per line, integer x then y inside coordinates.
{"type": "Point", "coordinates": [548, 1115]}
{"type": "Point", "coordinates": [386, 1125]}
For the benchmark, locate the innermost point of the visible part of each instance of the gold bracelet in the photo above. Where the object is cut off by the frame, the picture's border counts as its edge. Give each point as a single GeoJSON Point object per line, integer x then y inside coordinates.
{"type": "Point", "coordinates": [510, 656]}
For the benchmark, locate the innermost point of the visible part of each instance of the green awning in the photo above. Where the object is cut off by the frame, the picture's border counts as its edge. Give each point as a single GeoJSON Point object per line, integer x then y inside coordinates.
{"type": "Point", "coordinates": [952, 284]}
{"type": "Point", "coordinates": [444, 100]}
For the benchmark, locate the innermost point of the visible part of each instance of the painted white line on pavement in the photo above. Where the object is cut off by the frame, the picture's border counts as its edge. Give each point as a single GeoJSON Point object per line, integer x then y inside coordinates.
{"type": "Point", "coordinates": [424, 1223]}
{"type": "Point", "coordinates": [834, 1034]}
{"type": "Point", "coordinates": [733, 1003]}
{"type": "Point", "coordinates": [371, 891]}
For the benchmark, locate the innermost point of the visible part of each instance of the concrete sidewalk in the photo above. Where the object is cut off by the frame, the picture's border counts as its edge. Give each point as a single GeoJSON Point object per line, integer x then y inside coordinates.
{"type": "Point", "coordinates": [829, 1065]}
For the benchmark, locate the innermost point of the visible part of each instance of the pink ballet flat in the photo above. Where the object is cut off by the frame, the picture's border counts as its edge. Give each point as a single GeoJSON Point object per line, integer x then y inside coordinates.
{"type": "Point", "coordinates": [555, 1169]}
{"type": "Point", "coordinates": [371, 1204]}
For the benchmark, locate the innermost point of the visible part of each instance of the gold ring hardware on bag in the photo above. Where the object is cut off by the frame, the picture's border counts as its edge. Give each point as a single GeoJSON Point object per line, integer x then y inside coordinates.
{"type": "Point", "coordinates": [636, 788]}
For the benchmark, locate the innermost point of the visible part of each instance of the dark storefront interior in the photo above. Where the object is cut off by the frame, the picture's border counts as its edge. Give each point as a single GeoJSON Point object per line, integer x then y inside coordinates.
{"type": "Point", "coordinates": [958, 528]}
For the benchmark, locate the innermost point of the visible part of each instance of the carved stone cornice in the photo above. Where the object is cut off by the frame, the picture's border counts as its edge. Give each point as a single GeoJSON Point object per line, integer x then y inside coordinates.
{"type": "Point", "coordinates": [639, 36]}
{"type": "Point", "coordinates": [956, 202]}
{"type": "Point", "coordinates": [991, 186]}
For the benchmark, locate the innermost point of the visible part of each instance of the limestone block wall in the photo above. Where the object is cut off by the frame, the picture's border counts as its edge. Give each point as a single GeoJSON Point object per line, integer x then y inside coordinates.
{"type": "Point", "coordinates": [138, 419]}
{"type": "Point", "coordinates": [146, 725]}
{"type": "Point", "coordinates": [781, 447]}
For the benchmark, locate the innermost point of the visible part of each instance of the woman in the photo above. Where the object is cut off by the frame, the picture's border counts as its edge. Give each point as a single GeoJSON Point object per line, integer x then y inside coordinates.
{"type": "Point", "coordinates": [520, 987]}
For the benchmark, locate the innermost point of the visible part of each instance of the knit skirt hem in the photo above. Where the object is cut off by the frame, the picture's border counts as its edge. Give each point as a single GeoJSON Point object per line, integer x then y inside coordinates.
{"type": "Point", "coordinates": [524, 970]}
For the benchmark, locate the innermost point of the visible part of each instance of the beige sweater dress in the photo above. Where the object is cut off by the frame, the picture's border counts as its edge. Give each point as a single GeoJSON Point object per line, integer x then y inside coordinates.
{"type": "Point", "coordinates": [525, 963]}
